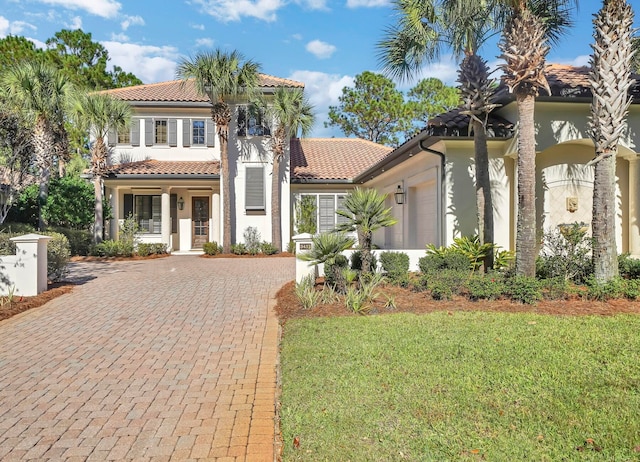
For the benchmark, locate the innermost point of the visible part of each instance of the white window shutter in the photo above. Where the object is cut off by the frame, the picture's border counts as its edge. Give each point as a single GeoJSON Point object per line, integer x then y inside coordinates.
{"type": "Point", "coordinates": [172, 128]}
{"type": "Point", "coordinates": [148, 132]}
{"type": "Point", "coordinates": [186, 132]}
{"type": "Point", "coordinates": [135, 132]}
{"type": "Point", "coordinates": [211, 133]}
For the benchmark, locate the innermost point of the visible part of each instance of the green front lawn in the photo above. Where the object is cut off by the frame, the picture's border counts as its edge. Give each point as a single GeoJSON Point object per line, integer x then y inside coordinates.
{"type": "Point", "coordinates": [461, 386]}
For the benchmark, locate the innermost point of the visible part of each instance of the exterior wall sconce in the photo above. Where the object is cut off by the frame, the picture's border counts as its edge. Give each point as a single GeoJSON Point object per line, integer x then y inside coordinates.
{"type": "Point", "coordinates": [399, 195]}
{"type": "Point", "coordinates": [181, 203]}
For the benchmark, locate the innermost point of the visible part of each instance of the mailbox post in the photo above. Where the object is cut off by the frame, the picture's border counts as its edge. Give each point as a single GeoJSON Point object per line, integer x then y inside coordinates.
{"type": "Point", "coordinates": [303, 244]}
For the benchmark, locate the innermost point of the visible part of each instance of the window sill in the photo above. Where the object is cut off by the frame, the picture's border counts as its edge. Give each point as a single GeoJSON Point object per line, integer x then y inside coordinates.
{"type": "Point", "coordinates": [255, 212]}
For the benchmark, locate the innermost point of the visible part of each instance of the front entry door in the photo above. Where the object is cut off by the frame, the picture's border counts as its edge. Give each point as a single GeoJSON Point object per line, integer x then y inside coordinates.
{"type": "Point", "coordinates": [199, 222]}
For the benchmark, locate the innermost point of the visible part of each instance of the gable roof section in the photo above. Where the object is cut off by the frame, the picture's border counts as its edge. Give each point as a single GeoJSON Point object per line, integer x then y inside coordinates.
{"type": "Point", "coordinates": [333, 160]}
{"type": "Point", "coordinates": [153, 169]}
{"type": "Point", "coordinates": [179, 91]}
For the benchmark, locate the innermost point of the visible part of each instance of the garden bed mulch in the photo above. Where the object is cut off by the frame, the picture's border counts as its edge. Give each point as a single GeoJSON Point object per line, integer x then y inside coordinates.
{"type": "Point", "coordinates": [260, 255]}
{"type": "Point", "coordinates": [409, 301]}
{"type": "Point", "coordinates": [108, 259]}
{"type": "Point", "coordinates": [21, 304]}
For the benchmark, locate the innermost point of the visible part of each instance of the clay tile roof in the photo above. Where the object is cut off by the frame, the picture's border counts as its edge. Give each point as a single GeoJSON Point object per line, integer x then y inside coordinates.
{"type": "Point", "coordinates": [453, 123]}
{"type": "Point", "coordinates": [161, 167]}
{"type": "Point", "coordinates": [180, 91]}
{"type": "Point", "coordinates": [333, 158]}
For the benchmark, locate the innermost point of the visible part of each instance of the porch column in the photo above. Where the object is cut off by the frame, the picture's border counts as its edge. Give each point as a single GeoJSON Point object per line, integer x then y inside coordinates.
{"type": "Point", "coordinates": [165, 213]}
{"type": "Point", "coordinates": [114, 222]}
{"type": "Point", "coordinates": [216, 228]}
{"type": "Point", "coordinates": [634, 205]}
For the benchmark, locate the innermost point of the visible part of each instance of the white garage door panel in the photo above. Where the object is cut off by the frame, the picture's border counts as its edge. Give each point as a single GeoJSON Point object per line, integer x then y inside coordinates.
{"type": "Point", "coordinates": [423, 221]}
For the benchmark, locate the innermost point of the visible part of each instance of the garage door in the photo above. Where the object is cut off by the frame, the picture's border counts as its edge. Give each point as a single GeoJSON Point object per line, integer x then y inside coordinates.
{"type": "Point", "coordinates": [423, 217]}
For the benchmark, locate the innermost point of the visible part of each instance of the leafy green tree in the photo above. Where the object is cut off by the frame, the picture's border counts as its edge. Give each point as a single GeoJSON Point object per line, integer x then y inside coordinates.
{"type": "Point", "coordinates": [610, 82]}
{"type": "Point", "coordinates": [292, 114]}
{"type": "Point", "coordinates": [365, 212]}
{"type": "Point", "coordinates": [41, 92]}
{"type": "Point", "coordinates": [69, 204]}
{"type": "Point", "coordinates": [15, 48]}
{"type": "Point", "coordinates": [84, 62]}
{"type": "Point", "coordinates": [373, 109]}
{"type": "Point", "coordinates": [99, 113]}
{"type": "Point", "coordinates": [429, 98]}
{"type": "Point", "coordinates": [222, 76]}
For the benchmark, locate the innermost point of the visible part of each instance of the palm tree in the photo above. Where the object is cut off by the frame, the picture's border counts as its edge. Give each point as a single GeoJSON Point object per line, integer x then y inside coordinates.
{"type": "Point", "coordinates": [423, 29]}
{"type": "Point", "coordinates": [40, 91]}
{"type": "Point", "coordinates": [100, 113]}
{"type": "Point", "coordinates": [365, 213]}
{"type": "Point", "coordinates": [610, 82]}
{"type": "Point", "coordinates": [222, 77]}
{"type": "Point", "coordinates": [530, 24]}
{"type": "Point", "coordinates": [292, 113]}
{"type": "Point", "coordinates": [327, 248]}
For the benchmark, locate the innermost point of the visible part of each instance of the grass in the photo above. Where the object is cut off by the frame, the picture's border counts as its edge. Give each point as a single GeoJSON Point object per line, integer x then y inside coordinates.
{"type": "Point", "coordinates": [468, 386]}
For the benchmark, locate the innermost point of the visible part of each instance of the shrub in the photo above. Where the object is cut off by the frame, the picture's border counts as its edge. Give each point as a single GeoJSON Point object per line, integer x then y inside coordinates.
{"type": "Point", "coordinates": [306, 214]}
{"type": "Point", "coordinates": [17, 229]}
{"type": "Point", "coordinates": [268, 248]}
{"type": "Point", "coordinates": [472, 249]}
{"type": "Point", "coordinates": [146, 249]}
{"type": "Point", "coordinates": [291, 247]}
{"type": "Point", "coordinates": [211, 248]}
{"type": "Point", "coordinates": [449, 259]}
{"type": "Point", "coordinates": [238, 249]}
{"type": "Point", "coordinates": [252, 240]}
{"type": "Point", "coordinates": [7, 246]}
{"type": "Point", "coordinates": [356, 300]}
{"type": "Point", "coordinates": [629, 268]}
{"type": "Point", "coordinates": [557, 288]}
{"type": "Point", "coordinates": [306, 292]}
{"type": "Point", "coordinates": [396, 264]}
{"type": "Point", "coordinates": [440, 290]}
{"type": "Point", "coordinates": [79, 239]}
{"type": "Point", "coordinates": [444, 284]}
{"type": "Point", "coordinates": [58, 255]}
{"type": "Point", "coordinates": [356, 261]}
{"type": "Point", "coordinates": [566, 252]}
{"type": "Point", "coordinates": [333, 272]}
{"type": "Point", "coordinates": [523, 289]}
{"type": "Point", "coordinates": [614, 288]}
{"type": "Point", "coordinates": [485, 287]}
{"type": "Point", "coordinates": [632, 289]}
{"type": "Point", "coordinates": [111, 248]}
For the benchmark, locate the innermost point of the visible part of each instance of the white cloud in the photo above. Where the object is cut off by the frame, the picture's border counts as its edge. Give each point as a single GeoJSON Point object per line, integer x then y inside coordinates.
{"type": "Point", "coordinates": [102, 8]}
{"type": "Point", "coordinates": [148, 63]}
{"type": "Point", "coordinates": [234, 10]}
{"type": "Point", "coordinates": [76, 23]}
{"type": "Point", "coordinates": [320, 50]}
{"type": "Point", "coordinates": [297, 36]}
{"type": "Point", "coordinates": [13, 27]}
{"type": "Point", "coordinates": [119, 37]}
{"type": "Point", "coordinates": [132, 21]}
{"type": "Point", "coordinates": [197, 26]}
{"type": "Point", "coordinates": [204, 42]}
{"type": "Point", "coordinates": [37, 43]}
{"type": "Point", "coordinates": [367, 3]}
{"type": "Point", "coordinates": [446, 70]}
{"type": "Point", "coordinates": [582, 60]}
{"type": "Point", "coordinates": [313, 4]}
{"type": "Point", "coordinates": [323, 90]}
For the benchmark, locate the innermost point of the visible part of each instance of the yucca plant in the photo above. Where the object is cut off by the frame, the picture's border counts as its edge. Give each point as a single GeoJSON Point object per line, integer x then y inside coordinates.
{"type": "Point", "coordinates": [610, 82]}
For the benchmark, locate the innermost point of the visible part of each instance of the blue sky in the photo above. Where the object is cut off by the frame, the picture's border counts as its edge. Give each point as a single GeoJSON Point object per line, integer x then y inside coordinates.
{"type": "Point", "coordinates": [323, 43]}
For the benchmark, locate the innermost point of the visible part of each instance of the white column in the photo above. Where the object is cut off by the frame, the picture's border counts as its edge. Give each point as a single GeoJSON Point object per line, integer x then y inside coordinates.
{"type": "Point", "coordinates": [634, 204]}
{"type": "Point", "coordinates": [304, 243]}
{"type": "Point", "coordinates": [215, 233]}
{"type": "Point", "coordinates": [31, 264]}
{"type": "Point", "coordinates": [165, 213]}
{"type": "Point", "coordinates": [115, 213]}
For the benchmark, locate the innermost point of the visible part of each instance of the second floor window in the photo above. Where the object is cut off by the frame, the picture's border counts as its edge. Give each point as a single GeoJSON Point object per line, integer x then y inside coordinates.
{"type": "Point", "coordinates": [124, 136]}
{"type": "Point", "coordinates": [198, 128]}
{"type": "Point", "coordinates": [160, 131]}
{"type": "Point", "coordinates": [251, 121]}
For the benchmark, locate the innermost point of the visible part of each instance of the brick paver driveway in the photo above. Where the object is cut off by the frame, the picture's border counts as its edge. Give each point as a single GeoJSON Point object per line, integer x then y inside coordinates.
{"type": "Point", "coordinates": [161, 359]}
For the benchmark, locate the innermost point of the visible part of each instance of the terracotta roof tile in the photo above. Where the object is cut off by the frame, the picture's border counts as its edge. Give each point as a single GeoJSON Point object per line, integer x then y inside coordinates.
{"type": "Point", "coordinates": [453, 123]}
{"type": "Point", "coordinates": [180, 91]}
{"type": "Point", "coordinates": [161, 167]}
{"type": "Point", "coordinates": [333, 158]}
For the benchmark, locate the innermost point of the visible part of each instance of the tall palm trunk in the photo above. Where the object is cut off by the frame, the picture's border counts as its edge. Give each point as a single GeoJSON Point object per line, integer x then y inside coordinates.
{"type": "Point", "coordinates": [476, 90]}
{"type": "Point", "coordinates": [278, 154]}
{"type": "Point", "coordinates": [524, 49]}
{"type": "Point", "coordinates": [610, 82]}
{"type": "Point", "coordinates": [43, 141]}
{"type": "Point", "coordinates": [526, 244]}
{"type": "Point", "coordinates": [221, 113]}
{"type": "Point", "coordinates": [98, 166]}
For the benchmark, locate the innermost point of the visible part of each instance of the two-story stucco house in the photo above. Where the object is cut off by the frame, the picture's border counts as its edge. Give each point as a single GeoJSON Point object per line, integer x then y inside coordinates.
{"type": "Point", "coordinates": [165, 170]}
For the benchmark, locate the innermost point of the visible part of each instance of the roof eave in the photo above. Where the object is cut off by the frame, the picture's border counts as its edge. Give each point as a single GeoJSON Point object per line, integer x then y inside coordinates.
{"type": "Point", "coordinates": [163, 176]}
{"type": "Point", "coordinates": [321, 181]}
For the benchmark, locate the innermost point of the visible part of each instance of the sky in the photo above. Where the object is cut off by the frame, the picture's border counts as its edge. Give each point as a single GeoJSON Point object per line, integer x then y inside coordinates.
{"type": "Point", "coordinates": [323, 43]}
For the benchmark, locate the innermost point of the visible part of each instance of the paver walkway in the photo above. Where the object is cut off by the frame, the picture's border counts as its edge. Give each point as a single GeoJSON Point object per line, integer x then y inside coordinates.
{"type": "Point", "coordinates": [167, 359]}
